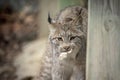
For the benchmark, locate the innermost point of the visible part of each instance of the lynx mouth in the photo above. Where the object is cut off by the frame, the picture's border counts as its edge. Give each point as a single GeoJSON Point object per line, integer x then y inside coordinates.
{"type": "Point", "coordinates": [67, 52]}
{"type": "Point", "coordinates": [63, 55]}
{"type": "Point", "coordinates": [70, 51]}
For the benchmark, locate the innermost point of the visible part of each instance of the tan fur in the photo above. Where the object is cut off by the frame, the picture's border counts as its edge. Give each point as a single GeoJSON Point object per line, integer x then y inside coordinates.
{"type": "Point", "coordinates": [66, 53]}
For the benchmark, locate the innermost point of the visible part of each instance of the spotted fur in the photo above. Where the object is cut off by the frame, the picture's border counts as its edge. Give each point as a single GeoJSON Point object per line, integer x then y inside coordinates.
{"type": "Point", "coordinates": [66, 53]}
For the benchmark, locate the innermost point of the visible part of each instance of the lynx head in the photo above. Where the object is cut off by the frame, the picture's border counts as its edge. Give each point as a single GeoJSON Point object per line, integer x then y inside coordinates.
{"type": "Point", "coordinates": [67, 40]}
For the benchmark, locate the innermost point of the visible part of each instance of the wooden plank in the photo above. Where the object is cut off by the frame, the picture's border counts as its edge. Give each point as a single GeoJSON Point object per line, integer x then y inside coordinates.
{"type": "Point", "coordinates": [103, 51]}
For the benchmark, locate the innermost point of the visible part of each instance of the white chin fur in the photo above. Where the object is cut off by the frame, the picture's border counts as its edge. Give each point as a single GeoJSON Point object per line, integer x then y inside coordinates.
{"type": "Point", "coordinates": [63, 55]}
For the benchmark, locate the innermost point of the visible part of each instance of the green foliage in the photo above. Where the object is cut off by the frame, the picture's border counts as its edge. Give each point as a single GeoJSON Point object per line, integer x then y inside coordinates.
{"type": "Point", "coordinates": [64, 3]}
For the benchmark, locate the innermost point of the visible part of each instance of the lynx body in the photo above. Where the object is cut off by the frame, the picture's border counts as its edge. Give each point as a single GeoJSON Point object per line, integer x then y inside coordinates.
{"type": "Point", "coordinates": [66, 54]}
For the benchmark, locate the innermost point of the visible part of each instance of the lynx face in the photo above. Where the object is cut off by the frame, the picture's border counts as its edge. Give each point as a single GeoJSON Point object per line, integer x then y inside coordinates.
{"type": "Point", "coordinates": [67, 40]}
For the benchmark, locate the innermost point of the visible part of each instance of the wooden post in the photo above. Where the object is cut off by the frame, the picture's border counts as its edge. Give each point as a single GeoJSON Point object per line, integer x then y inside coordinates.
{"type": "Point", "coordinates": [103, 51]}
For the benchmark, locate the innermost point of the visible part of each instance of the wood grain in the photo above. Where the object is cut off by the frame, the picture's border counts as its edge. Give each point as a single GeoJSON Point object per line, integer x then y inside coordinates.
{"type": "Point", "coordinates": [103, 51]}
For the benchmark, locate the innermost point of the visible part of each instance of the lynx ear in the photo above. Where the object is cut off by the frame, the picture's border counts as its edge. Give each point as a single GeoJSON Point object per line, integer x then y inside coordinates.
{"type": "Point", "coordinates": [50, 20]}
{"type": "Point", "coordinates": [52, 23]}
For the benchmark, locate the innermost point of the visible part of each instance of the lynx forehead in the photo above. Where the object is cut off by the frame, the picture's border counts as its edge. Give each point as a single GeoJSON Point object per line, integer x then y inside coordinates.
{"type": "Point", "coordinates": [67, 30]}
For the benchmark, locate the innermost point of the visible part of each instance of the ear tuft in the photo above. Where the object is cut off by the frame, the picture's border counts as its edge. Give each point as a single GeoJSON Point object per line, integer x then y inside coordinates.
{"type": "Point", "coordinates": [49, 18]}
{"type": "Point", "coordinates": [52, 26]}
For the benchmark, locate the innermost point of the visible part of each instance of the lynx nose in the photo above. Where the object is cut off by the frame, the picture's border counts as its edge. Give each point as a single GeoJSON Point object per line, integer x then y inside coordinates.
{"type": "Point", "coordinates": [66, 48]}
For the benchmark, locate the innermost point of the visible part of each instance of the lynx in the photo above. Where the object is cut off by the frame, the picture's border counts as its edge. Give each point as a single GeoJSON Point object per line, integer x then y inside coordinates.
{"type": "Point", "coordinates": [66, 54]}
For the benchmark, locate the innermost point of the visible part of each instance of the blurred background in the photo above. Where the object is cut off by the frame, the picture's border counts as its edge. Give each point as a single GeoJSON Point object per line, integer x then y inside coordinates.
{"type": "Point", "coordinates": [23, 35]}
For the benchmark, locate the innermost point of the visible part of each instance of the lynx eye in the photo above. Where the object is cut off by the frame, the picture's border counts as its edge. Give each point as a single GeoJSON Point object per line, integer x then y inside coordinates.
{"type": "Point", "coordinates": [72, 38]}
{"type": "Point", "coordinates": [60, 39]}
